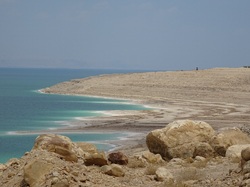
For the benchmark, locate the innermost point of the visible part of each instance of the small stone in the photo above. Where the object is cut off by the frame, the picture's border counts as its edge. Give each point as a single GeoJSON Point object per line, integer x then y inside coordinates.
{"type": "Point", "coordinates": [113, 170]}
{"type": "Point", "coordinates": [152, 158]}
{"type": "Point", "coordinates": [26, 153]}
{"type": "Point", "coordinates": [54, 180]}
{"type": "Point", "coordinates": [55, 174]}
{"type": "Point", "coordinates": [3, 167]}
{"type": "Point", "coordinates": [98, 159]}
{"type": "Point", "coordinates": [162, 174]}
{"type": "Point", "coordinates": [75, 173]}
{"type": "Point", "coordinates": [62, 183]}
{"type": "Point", "coordinates": [246, 176]}
{"type": "Point", "coordinates": [200, 158]}
{"type": "Point", "coordinates": [10, 175]}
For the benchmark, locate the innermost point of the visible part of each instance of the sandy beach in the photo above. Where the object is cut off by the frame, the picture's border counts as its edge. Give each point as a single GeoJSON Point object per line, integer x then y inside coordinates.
{"type": "Point", "coordinates": [217, 96]}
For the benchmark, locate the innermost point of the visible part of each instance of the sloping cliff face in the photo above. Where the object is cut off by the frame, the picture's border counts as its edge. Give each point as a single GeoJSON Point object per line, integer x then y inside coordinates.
{"type": "Point", "coordinates": [57, 161]}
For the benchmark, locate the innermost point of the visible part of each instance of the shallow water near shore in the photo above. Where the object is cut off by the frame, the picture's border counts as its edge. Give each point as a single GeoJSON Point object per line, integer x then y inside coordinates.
{"type": "Point", "coordinates": [23, 108]}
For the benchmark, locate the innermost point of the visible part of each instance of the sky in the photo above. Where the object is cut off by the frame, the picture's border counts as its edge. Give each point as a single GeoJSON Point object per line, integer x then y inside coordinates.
{"type": "Point", "coordinates": [125, 34]}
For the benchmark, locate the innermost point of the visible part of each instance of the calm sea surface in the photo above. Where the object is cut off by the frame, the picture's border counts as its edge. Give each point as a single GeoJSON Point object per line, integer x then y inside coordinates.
{"type": "Point", "coordinates": [23, 108]}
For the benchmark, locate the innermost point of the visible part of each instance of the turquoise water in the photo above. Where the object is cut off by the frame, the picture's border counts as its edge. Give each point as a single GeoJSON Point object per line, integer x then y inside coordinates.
{"type": "Point", "coordinates": [23, 108]}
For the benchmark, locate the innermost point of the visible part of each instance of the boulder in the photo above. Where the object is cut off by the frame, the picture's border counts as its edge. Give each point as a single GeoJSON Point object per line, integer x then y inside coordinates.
{"type": "Point", "coordinates": [118, 158]}
{"type": "Point", "coordinates": [234, 152]}
{"type": "Point", "coordinates": [35, 171]}
{"type": "Point", "coordinates": [179, 139]}
{"type": "Point", "coordinates": [59, 144]}
{"type": "Point", "coordinates": [162, 174]}
{"type": "Point", "coordinates": [98, 159]}
{"type": "Point", "coordinates": [228, 137]}
{"type": "Point", "coordinates": [113, 170]}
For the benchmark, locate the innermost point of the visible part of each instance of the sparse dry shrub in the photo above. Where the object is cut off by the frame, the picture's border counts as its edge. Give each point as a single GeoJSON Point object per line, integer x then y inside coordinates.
{"type": "Point", "coordinates": [137, 162]}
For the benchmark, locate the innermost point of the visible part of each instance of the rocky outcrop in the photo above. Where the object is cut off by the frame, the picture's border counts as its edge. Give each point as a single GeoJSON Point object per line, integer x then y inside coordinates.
{"type": "Point", "coordinates": [50, 163]}
{"type": "Point", "coordinates": [227, 138]}
{"type": "Point", "coordinates": [60, 145]}
{"type": "Point", "coordinates": [42, 168]}
{"type": "Point", "coordinates": [183, 138]}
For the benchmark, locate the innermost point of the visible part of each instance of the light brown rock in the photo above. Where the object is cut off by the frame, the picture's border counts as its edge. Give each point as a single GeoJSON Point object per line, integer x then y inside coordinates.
{"type": "Point", "coordinates": [87, 147]}
{"type": "Point", "coordinates": [234, 152]}
{"type": "Point", "coordinates": [59, 144]}
{"type": "Point", "coordinates": [35, 171]}
{"type": "Point", "coordinates": [152, 158]}
{"type": "Point", "coordinates": [98, 159]}
{"type": "Point", "coordinates": [163, 174]}
{"type": "Point", "coordinates": [113, 170]}
{"type": "Point", "coordinates": [227, 138]}
{"type": "Point", "coordinates": [179, 139]}
{"type": "Point", "coordinates": [2, 167]}
{"type": "Point", "coordinates": [176, 162]}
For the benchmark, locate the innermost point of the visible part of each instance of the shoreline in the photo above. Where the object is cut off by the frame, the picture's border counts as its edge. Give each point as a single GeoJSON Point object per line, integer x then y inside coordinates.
{"type": "Point", "coordinates": [83, 125]}
{"type": "Point", "coordinates": [217, 96]}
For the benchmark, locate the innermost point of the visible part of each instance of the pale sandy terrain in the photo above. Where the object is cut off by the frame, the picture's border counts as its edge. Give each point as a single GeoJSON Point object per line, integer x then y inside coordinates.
{"type": "Point", "coordinates": [218, 96]}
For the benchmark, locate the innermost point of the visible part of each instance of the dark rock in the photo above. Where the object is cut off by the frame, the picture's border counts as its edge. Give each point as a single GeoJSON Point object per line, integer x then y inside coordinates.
{"type": "Point", "coordinates": [118, 158]}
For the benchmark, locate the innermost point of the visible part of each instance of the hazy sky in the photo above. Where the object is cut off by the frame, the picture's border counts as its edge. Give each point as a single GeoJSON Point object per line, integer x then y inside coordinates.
{"type": "Point", "coordinates": [132, 34]}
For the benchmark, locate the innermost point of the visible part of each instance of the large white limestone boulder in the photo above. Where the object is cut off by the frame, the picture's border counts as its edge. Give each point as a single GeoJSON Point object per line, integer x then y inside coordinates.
{"type": "Point", "coordinates": [181, 139]}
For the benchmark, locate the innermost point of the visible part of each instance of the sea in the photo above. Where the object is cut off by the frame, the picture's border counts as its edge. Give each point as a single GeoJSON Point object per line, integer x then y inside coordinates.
{"type": "Point", "coordinates": [24, 109]}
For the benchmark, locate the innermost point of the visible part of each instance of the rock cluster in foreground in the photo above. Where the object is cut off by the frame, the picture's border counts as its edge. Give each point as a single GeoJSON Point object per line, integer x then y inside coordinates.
{"type": "Point", "coordinates": [186, 138]}
{"type": "Point", "coordinates": [184, 153]}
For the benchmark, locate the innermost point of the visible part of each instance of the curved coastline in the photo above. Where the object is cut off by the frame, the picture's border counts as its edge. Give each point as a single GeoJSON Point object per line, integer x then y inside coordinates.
{"type": "Point", "coordinates": [218, 96]}
{"type": "Point", "coordinates": [83, 125]}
